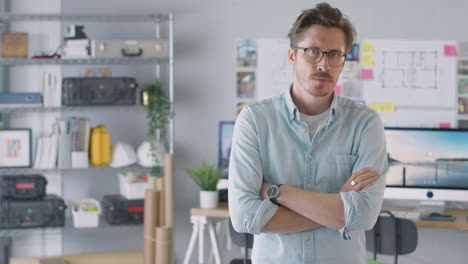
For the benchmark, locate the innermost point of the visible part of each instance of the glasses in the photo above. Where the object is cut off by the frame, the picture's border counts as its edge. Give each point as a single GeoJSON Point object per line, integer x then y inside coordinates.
{"type": "Point", "coordinates": [315, 55]}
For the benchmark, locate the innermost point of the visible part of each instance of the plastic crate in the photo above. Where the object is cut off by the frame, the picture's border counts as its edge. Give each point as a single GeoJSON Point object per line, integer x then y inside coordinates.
{"type": "Point", "coordinates": [85, 213]}
{"type": "Point", "coordinates": [132, 187]}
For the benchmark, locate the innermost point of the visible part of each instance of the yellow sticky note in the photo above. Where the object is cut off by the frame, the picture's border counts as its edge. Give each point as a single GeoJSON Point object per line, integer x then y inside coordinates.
{"type": "Point", "coordinates": [367, 46]}
{"type": "Point", "coordinates": [377, 106]}
{"type": "Point", "coordinates": [388, 107]}
{"type": "Point", "coordinates": [367, 60]}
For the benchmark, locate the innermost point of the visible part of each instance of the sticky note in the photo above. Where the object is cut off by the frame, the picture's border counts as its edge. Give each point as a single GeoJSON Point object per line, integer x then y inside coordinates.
{"type": "Point", "coordinates": [368, 60]}
{"type": "Point", "coordinates": [338, 89]}
{"type": "Point", "coordinates": [367, 74]}
{"type": "Point", "coordinates": [388, 107]}
{"type": "Point", "coordinates": [377, 106]}
{"type": "Point", "coordinates": [450, 50]}
{"type": "Point", "coordinates": [367, 46]}
{"type": "Point", "coordinates": [445, 125]}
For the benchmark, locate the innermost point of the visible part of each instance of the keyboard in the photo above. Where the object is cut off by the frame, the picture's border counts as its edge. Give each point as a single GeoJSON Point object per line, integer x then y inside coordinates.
{"type": "Point", "coordinates": [406, 214]}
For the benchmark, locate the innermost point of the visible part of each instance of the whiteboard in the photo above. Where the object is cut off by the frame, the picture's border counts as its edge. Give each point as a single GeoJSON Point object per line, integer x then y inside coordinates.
{"type": "Point", "coordinates": [274, 73]}
{"type": "Point", "coordinates": [412, 73]}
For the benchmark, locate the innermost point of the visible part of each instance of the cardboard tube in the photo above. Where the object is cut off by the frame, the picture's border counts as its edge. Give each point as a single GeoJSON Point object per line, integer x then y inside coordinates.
{"type": "Point", "coordinates": [150, 222]}
{"type": "Point", "coordinates": [163, 245]}
{"type": "Point", "coordinates": [152, 183]}
{"type": "Point", "coordinates": [169, 188]}
{"type": "Point", "coordinates": [162, 201]}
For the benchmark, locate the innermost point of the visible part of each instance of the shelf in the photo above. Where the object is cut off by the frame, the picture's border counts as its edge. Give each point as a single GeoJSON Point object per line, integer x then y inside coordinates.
{"type": "Point", "coordinates": [22, 171]}
{"type": "Point", "coordinates": [30, 61]}
{"type": "Point", "coordinates": [103, 227]}
{"type": "Point", "coordinates": [118, 108]}
{"type": "Point", "coordinates": [86, 17]}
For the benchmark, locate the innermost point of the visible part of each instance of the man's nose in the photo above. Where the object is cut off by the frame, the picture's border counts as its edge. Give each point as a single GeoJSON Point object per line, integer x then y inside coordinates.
{"type": "Point", "coordinates": [323, 64]}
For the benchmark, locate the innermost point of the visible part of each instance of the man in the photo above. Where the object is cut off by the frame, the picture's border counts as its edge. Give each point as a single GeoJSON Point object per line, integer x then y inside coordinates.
{"type": "Point", "coordinates": [325, 155]}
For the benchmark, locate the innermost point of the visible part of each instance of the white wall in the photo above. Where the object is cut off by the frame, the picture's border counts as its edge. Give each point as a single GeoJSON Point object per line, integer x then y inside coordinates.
{"type": "Point", "coordinates": [205, 34]}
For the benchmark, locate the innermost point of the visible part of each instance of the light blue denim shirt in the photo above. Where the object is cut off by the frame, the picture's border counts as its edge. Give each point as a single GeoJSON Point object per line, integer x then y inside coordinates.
{"type": "Point", "coordinates": [271, 144]}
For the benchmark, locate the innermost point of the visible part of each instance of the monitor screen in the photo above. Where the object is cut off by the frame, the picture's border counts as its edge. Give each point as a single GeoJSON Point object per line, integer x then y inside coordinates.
{"type": "Point", "coordinates": [427, 163]}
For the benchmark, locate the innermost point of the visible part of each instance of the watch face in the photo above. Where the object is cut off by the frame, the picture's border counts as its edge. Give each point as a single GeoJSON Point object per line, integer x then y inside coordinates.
{"type": "Point", "coordinates": [273, 191]}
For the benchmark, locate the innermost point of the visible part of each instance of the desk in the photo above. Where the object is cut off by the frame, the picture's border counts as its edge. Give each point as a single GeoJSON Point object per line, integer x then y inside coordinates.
{"type": "Point", "coordinates": [200, 218]}
{"type": "Point", "coordinates": [460, 223]}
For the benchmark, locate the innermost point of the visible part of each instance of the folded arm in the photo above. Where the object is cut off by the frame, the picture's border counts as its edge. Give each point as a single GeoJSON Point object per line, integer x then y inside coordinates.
{"type": "Point", "coordinates": [352, 208]}
{"type": "Point", "coordinates": [248, 211]}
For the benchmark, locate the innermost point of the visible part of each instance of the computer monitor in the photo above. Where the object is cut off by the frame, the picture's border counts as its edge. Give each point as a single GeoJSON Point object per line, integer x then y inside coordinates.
{"type": "Point", "coordinates": [427, 164]}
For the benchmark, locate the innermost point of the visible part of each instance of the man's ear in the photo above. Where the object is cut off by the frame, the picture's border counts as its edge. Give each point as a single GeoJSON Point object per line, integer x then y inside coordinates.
{"type": "Point", "coordinates": [291, 57]}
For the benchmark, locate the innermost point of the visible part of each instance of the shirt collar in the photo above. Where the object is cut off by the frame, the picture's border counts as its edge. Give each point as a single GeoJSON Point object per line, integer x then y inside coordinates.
{"type": "Point", "coordinates": [293, 111]}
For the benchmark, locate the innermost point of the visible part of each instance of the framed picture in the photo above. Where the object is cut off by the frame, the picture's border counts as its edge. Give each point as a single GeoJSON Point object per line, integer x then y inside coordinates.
{"type": "Point", "coordinates": [463, 86]}
{"type": "Point", "coordinates": [246, 53]}
{"type": "Point", "coordinates": [245, 84]}
{"type": "Point", "coordinates": [15, 148]}
{"type": "Point", "coordinates": [226, 131]}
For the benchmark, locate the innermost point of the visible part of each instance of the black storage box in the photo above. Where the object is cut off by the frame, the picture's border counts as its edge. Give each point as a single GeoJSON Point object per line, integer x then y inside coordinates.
{"type": "Point", "coordinates": [99, 91]}
{"type": "Point", "coordinates": [120, 210]}
{"type": "Point", "coordinates": [21, 187]}
{"type": "Point", "coordinates": [46, 212]}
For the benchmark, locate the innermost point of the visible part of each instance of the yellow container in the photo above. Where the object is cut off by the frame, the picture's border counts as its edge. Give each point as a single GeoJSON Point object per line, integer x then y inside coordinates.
{"type": "Point", "coordinates": [100, 149]}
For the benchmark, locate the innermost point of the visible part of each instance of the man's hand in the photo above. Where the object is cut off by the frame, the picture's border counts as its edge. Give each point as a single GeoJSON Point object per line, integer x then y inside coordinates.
{"type": "Point", "coordinates": [360, 180]}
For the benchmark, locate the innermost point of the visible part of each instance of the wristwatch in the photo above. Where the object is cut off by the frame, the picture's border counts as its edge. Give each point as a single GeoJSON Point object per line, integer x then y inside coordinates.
{"type": "Point", "coordinates": [273, 192]}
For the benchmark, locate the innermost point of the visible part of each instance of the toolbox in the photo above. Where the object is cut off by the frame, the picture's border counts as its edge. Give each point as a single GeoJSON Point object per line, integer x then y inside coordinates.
{"type": "Point", "coordinates": [47, 212]}
{"type": "Point", "coordinates": [129, 48]}
{"type": "Point", "coordinates": [117, 210]}
{"type": "Point", "coordinates": [22, 186]}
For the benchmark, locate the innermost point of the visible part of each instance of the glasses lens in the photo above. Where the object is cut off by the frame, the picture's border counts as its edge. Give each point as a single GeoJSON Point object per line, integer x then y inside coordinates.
{"type": "Point", "coordinates": [336, 58]}
{"type": "Point", "coordinates": [313, 55]}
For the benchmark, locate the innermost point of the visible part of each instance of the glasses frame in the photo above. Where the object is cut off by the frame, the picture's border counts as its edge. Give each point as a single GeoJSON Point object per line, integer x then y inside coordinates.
{"type": "Point", "coordinates": [323, 53]}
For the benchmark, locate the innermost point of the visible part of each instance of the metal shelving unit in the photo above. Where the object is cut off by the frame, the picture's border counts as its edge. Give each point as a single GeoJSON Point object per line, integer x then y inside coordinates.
{"type": "Point", "coordinates": [69, 228]}
{"type": "Point", "coordinates": [20, 171]}
{"type": "Point", "coordinates": [116, 108]}
{"type": "Point", "coordinates": [100, 61]}
{"type": "Point", "coordinates": [123, 18]}
{"type": "Point", "coordinates": [167, 62]}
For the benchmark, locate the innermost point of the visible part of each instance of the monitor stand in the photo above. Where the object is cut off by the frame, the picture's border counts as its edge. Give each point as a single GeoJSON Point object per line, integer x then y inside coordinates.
{"type": "Point", "coordinates": [431, 206]}
{"type": "Point", "coordinates": [433, 211]}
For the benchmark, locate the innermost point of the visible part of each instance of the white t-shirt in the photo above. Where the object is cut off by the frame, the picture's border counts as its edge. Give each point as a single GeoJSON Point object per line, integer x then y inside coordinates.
{"type": "Point", "coordinates": [314, 121]}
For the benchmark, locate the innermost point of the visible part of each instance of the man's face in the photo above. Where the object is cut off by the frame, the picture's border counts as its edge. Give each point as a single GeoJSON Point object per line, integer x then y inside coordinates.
{"type": "Point", "coordinates": [317, 79]}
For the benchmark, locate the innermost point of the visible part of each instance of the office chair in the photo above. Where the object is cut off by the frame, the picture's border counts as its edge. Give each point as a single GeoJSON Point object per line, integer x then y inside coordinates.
{"type": "Point", "coordinates": [392, 236]}
{"type": "Point", "coordinates": [244, 240]}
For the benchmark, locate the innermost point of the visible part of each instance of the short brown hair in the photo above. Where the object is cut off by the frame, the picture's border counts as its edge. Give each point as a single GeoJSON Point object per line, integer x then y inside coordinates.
{"type": "Point", "coordinates": [325, 15]}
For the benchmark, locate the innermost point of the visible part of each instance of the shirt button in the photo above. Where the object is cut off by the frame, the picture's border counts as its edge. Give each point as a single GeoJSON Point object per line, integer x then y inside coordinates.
{"type": "Point", "coordinates": [309, 156]}
{"type": "Point", "coordinates": [304, 130]}
{"type": "Point", "coordinates": [308, 185]}
{"type": "Point", "coordinates": [307, 238]}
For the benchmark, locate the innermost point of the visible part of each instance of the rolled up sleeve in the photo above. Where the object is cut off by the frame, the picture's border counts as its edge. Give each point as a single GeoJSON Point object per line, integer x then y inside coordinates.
{"type": "Point", "coordinates": [248, 212]}
{"type": "Point", "coordinates": [361, 209]}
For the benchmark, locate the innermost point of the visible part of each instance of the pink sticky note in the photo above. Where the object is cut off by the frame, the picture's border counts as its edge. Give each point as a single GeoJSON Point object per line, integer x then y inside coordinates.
{"type": "Point", "coordinates": [338, 89]}
{"type": "Point", "coordinates": [367, 74]}
{"type": "Point", "coordinates": [450, 50]}
{"type": "Point", "coordinates": [444, 125]}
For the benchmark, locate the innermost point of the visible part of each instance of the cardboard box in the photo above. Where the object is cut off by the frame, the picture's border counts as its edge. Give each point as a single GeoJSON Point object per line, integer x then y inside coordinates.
{"type": "Point", "coordinates": [14, 45]}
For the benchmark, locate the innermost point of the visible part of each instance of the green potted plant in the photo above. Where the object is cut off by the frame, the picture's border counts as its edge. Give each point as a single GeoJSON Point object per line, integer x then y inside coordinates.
{"type": "Point", "coordinates": [159, 113]}
{"type": "Point", "coordinates": [206, 177]}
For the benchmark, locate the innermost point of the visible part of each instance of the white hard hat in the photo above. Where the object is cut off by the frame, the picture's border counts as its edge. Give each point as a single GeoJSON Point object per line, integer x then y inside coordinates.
{"type": "Point", "coordinates": [122, 155]}
{"type": "Point", "coordinates": [145, 158]}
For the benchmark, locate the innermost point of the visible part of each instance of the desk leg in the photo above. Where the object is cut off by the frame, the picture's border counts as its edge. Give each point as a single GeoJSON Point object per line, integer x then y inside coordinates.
{"type": "Point", "coordinates": [201, 242]}
{"type": "Point", "coordinates": [188, 254]}
{"type": "Point", "coordinates": [214, 243]}
{"type": "Point", "coordinates": [219, 224]}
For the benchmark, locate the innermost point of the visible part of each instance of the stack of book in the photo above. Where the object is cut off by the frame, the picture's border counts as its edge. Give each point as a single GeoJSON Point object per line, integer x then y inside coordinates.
{"type": "Point", "coordinates": [55, 150]}
{"type": "Point", "coordinates": [76, 48]}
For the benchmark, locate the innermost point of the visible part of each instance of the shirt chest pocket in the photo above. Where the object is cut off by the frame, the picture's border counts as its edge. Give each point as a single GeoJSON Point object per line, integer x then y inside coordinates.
{"type": "Point", "coordinates": [341, 168]}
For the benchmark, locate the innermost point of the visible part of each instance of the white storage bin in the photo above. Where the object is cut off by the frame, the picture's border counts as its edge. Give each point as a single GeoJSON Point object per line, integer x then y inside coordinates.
{"type": "Point", "coordinates": [85, 213]}
{"type": "Point", "coordinates": [132, 185]}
